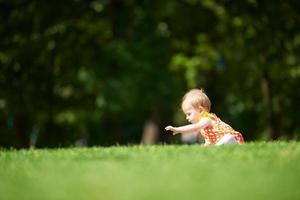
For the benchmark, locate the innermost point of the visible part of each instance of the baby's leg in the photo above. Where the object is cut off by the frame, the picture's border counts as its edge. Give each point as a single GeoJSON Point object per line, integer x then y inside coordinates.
{"type": "Point", "coordinates": [227, 139]}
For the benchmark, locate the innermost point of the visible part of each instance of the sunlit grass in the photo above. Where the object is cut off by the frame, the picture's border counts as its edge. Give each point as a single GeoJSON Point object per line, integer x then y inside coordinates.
{"type": "Point", "coordinates": [250, 171]}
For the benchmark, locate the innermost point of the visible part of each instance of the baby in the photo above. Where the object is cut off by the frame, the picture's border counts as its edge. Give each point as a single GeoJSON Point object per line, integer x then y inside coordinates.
{"type": "Point", "coordinates": [196, 107]}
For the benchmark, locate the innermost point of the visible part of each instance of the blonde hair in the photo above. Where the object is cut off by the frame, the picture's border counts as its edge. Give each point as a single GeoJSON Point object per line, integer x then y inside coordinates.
{"type": "Point", "coordinates": [197, 99]}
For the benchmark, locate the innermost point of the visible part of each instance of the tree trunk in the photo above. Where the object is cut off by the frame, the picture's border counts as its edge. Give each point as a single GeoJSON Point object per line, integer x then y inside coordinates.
{"type": "Point", "coordinates": [150, 133]}
{"type": "Point", "coordinates": [269, 112]}
{"type": "Point", "coordinates": [22, 130]}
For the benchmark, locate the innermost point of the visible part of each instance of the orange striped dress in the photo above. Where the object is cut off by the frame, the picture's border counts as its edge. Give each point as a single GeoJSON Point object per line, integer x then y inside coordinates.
{"type": "Point", "coordinates": [213, 133]}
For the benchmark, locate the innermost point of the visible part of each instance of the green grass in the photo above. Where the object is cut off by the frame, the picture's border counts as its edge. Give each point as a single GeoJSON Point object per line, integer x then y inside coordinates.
{"type": "Point", "coordinates": [250, 171]}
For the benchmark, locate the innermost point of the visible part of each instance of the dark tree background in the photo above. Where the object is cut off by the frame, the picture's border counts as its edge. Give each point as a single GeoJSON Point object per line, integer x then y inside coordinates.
{"type": "Point", "coordinates": [96, 72]}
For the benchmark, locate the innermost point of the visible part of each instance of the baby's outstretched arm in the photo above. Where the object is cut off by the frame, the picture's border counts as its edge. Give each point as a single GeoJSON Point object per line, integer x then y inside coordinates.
{"type": "Point", "coordinates": [190, 128]}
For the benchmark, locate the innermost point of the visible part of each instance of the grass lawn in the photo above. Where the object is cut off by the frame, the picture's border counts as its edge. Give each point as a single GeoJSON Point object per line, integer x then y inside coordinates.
{"type": "Point", "coordinates": [250, 171]}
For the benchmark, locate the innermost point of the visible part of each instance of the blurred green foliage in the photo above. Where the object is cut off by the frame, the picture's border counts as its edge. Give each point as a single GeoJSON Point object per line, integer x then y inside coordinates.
{"type": "Point", "coordinates": [98, 69]}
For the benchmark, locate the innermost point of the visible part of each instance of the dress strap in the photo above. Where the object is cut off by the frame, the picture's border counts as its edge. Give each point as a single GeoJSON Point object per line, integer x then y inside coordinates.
{"type": "Point", "coordinates": [204, 114]}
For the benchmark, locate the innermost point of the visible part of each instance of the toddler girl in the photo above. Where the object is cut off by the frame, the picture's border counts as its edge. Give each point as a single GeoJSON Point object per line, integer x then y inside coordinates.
{"type": "Point", "coordinates": [196, 107]}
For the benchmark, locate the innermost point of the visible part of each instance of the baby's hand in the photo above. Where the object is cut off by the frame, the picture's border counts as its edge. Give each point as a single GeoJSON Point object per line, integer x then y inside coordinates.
{"type": "Point", "coordinates": [171, 128]}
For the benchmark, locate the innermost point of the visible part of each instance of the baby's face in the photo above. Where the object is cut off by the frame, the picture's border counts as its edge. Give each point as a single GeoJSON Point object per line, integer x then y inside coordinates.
{"type": "Point", "coordinates": [192, 115]}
